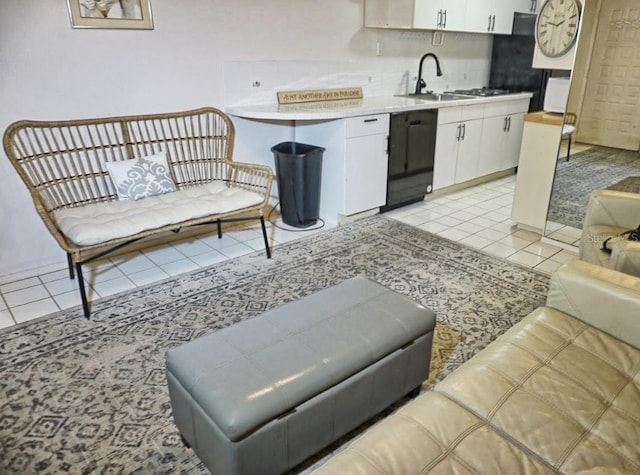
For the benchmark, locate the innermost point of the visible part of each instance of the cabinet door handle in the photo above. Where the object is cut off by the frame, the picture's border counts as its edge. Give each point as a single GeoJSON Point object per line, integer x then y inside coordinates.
{"type": "Point", "coordinates": [489, 25]}
{"type": "Point", "coordinates": [509, 128]}
{"type": "Point", "coordinates": [370, 120]}
{"type": "Point", "coordinates": [464, 130]}
{"type": "Point", "coordinates": [439, 24]}
{"type": "Point", "coordinates": [505, 127]}
{"type": "Point", "coordinates": [444, 23]}
{"type": "Point", "coordinates": [534, 6]}
{"type": "Point", "coordinates": [415, 122]}
{"type": "Point", "coordinates": [459, 132]}
{"type": "Point", "coordinates": [493, 23]}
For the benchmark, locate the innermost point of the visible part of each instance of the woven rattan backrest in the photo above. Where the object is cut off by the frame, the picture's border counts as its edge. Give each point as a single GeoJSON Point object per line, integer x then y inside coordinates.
{"type": "Point", "coordinates": [190, 139]}
{"type": "Point", "coordinates": [63, 162]}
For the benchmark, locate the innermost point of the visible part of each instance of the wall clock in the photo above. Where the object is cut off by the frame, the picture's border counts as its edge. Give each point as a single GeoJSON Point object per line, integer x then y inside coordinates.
{"type": "Point", "coordinates": [557, 27]}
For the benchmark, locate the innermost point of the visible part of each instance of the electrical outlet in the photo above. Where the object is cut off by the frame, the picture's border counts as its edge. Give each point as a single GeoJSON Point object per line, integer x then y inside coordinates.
{"type": "Point", "coordinates": [438, 38]}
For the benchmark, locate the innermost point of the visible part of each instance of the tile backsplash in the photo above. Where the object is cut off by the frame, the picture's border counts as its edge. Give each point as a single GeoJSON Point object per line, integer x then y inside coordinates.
{"type": "Point", "coordinates": [465, 63]}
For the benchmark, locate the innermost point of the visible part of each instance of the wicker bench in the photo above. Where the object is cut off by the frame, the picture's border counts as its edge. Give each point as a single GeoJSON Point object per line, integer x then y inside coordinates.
{"type": "Point", "coordinates": [64, 164]}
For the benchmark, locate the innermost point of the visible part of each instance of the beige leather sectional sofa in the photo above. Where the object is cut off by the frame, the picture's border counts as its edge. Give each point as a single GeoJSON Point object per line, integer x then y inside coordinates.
{"type": "Point", "coordinates": [557, 393]}
{"type": "Point", "coordinates": [610, 213]}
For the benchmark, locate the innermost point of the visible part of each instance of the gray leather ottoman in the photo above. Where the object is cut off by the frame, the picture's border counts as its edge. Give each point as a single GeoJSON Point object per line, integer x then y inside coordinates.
{"type": "Point", "coordinates": [263, 395]}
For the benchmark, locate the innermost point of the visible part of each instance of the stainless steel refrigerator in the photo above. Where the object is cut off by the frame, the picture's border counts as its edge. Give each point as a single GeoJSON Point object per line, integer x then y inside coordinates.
{"type": "Point", "coordinates": [511, 61]}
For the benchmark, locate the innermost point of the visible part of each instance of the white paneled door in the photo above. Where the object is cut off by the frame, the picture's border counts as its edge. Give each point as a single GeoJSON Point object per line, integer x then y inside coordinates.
{"type": "Point", "coordinates": [610, 113]}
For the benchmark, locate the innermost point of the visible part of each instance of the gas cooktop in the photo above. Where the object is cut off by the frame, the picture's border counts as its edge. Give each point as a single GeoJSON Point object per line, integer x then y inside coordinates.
{"type": "Point", "coordinates": [480, 91]}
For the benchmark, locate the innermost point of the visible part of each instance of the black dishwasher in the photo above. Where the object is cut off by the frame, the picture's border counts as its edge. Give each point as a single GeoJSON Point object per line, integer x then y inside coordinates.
{"type": "Point", "coordinates": [412, 144]}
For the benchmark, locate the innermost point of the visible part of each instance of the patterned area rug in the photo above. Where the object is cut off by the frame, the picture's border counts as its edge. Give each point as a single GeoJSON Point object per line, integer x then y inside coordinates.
{"type": "Point", "coordinates": [593, 169]}
{"type": "Point", "coordinates": [631, 184]}
{"type": "Point", "coordinates": [91, 397]}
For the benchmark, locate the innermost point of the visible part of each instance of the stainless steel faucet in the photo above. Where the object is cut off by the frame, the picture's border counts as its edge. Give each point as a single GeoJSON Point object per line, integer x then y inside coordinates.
{"type": "Point", "coordinates": [420, 84]}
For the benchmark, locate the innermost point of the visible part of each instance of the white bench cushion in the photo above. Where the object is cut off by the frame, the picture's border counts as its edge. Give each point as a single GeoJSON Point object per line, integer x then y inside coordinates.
{"type": "Point", "coordinates": [102, 222]}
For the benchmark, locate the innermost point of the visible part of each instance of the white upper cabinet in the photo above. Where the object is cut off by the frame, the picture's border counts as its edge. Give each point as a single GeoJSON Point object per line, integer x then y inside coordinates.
{"type": "Point", "coordinates": [388, 13]}
{"type": "Point", "coordinates": [477, 16]}
{"type": "Point", "coordinates": [418, 14]}
{"type": "Point", "coordinates": [440, 14]}
{"type": "Point", "coordinates": [501, 16]}
{"type": "Point", "coordinates": [490, 16]}
{"type": "Point", "coordinates": [528, 6]}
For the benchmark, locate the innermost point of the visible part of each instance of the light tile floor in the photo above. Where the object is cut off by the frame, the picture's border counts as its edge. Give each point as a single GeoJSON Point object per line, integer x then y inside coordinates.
{"type": "Point", "coordinates": [478, 217]}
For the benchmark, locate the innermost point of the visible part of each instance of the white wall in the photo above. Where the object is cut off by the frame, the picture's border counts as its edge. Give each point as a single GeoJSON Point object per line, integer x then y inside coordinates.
{"type": "Point", "coordinates": [201, 52]}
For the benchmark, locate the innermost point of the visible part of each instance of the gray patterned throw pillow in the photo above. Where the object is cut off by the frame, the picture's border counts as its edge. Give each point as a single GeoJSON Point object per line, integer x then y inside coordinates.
{"type": "Point", "coordinates": [141, 177]}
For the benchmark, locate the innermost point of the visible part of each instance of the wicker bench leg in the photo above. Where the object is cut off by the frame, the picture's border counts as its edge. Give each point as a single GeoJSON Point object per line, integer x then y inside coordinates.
{"type": "Point", "coordinates": [83, 293]}
{"type": "Point", "coordinates": [70, 264]}
{"type": "Point", "coordinates": [265, 237]}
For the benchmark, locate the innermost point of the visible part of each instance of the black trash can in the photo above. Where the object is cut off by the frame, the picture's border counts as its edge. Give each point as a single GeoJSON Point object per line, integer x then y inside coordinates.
{"type": "Point", "coordinates": [299, 174]}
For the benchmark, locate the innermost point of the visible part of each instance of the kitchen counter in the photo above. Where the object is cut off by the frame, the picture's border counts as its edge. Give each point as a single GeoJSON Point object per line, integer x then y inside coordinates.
{"type": "Point", "coordinates": [355, 136]}
{"type": "Point", "coordinates": [544, 117]}
{"type": "Point", "coordinates": [357, 107]}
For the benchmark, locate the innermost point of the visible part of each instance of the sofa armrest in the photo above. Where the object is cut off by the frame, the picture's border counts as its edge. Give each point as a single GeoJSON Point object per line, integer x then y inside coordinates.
{"type": "Point", "coordinates": [614, 208]}
{"type": "Point", "coordinates": [625, 257]}
{"type": "Point", "coordinates": [601, 297]}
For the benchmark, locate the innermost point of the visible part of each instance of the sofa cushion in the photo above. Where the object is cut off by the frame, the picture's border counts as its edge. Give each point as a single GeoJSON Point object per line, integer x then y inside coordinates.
{"type": "Point", "coordinates": [552, 394]}
{"type": "Point", "coordinates": [101, 222]}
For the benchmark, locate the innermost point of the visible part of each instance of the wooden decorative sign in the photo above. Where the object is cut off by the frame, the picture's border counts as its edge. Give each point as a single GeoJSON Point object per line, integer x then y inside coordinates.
{"type": "Point", "coordinates": [319, 95]}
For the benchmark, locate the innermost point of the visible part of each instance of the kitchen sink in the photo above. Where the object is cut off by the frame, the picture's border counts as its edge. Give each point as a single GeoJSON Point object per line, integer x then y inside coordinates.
{"type": "Point", "coordinates": [436, 96]}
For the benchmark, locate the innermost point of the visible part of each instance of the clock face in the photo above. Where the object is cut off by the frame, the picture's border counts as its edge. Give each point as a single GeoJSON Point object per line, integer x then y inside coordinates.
{"type": "Point", "coordinates": [557, 27]}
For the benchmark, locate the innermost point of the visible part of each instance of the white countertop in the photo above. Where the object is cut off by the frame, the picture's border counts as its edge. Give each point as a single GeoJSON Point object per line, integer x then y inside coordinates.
{"type": "Point", "coordinates": [355, 107]}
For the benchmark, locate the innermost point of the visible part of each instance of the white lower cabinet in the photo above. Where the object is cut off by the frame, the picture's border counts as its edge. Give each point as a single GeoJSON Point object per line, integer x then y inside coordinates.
{"type": "Point", "coordinates": [446, 155]}
{"type": "Point", "coordinates": [366, 162]}
{"type": "Point", "coordinates": [502, 135]}
{"type": "Point", "coordinates": [511, 150]}
{"type": "Point", "coordinates": [478, 140]}
{"type": "Point", "coordinates": [494, 132]}
{"type": "Point", "coordinates": [354, 165]}
{"type": "Point", "coordinates": [457, 145]}
{"type": "Point", "coordinates": [469, 150]}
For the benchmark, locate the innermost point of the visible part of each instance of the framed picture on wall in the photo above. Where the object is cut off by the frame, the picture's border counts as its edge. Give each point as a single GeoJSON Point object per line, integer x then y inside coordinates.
{"type": "Point", "coordinates": [128, 14]}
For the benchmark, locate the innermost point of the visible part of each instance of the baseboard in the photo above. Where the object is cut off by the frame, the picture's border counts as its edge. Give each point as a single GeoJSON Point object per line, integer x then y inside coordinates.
{"type": "Point", "coordinates": [470, 183]}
